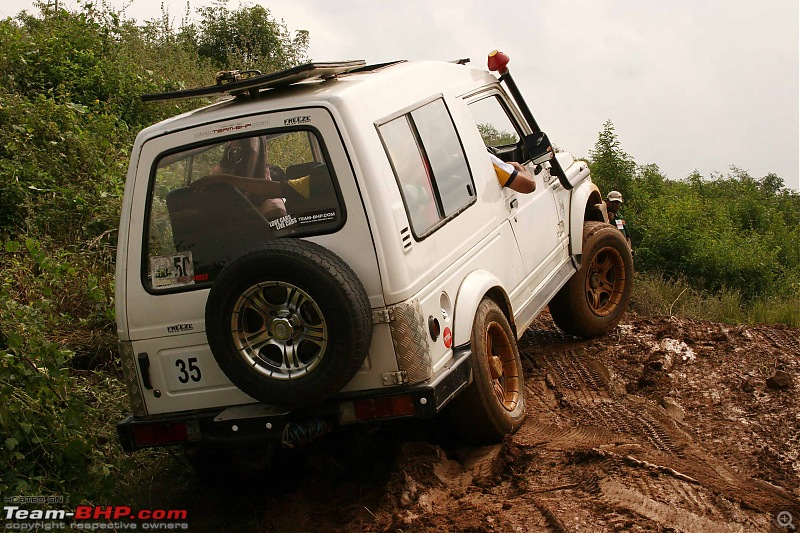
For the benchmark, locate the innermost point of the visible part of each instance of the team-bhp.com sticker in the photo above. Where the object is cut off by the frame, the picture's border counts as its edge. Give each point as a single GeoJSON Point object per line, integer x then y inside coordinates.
{"type": "Point", "coordinates": [89, 517]}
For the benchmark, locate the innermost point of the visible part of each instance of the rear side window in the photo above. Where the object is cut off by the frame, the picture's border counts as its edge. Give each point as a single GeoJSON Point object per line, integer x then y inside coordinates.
{"type": "Point", "coordinates": [429, 164]}
{"type": "Point", "coordinates": [210, 204]}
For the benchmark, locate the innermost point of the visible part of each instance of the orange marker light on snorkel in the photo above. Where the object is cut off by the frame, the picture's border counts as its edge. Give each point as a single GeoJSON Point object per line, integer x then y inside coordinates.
{"type": "Point", "coordinates": [498, 61]}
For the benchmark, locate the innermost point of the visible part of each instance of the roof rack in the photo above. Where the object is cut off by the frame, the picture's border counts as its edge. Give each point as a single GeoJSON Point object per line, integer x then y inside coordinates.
{"type": "Point", "coordinates": [252, 85]}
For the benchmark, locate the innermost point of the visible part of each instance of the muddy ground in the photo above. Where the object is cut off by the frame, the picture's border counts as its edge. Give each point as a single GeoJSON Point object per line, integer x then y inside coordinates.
{"type": "Point", "coordinates": [665, 425]}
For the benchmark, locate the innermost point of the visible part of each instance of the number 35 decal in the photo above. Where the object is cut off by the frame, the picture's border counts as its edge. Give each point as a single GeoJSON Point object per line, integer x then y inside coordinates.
{"type": "Point", "coordinates": [187, 372]}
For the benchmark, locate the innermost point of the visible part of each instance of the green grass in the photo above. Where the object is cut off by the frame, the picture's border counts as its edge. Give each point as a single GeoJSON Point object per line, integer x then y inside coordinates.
{"type": "Point", "coordinates": [658, 296]}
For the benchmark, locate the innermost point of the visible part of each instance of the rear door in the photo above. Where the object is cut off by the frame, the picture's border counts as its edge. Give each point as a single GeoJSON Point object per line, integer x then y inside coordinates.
{"type": "Point", "coordinates": [180, 240]}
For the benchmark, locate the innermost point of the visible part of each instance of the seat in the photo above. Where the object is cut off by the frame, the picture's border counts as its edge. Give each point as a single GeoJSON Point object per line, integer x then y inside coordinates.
{"type": "Point", "coordinates": [321, 184]}
{"type": "Point", "coordinates": [322, 194]}
{"type": "Point", "coordinates": [217, 225]}
{"type": "Point", "coordinates": [301, 169]}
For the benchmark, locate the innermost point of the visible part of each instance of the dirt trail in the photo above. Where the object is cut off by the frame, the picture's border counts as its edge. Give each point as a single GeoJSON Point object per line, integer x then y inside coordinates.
{"type": "Point", "coordinates": [666, 424]}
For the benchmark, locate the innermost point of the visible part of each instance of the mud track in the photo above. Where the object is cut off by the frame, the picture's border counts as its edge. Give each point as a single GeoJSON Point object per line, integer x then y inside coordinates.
{"type": "Point", "coordinates": [664, 425]}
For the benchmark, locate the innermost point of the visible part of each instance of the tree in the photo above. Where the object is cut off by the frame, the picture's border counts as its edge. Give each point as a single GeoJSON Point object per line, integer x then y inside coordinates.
{"type": "Point", "coordinates": [612, 168]}
{"type": "Point", "coordinates": [494, 137]}
{"type": "Point", "coordinates": [248, 38]}
{"type": "Point", "coordinates": [771, 184]}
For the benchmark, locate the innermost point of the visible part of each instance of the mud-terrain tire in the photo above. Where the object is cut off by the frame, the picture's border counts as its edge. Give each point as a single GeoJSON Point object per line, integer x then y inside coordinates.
{"type": "Point", "coordinates": [595, 298]}
{"type": "Point", "coordinates": [493, 405]}
{"type": "Point", "coordinates": [289, 323]}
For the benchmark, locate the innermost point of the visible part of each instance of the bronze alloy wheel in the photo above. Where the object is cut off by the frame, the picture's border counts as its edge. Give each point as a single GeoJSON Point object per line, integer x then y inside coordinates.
{"type": "Point", "coordinates": [605, 282]}
{"type": "Point", "coordinates": [493, 405]}
{"type": "Point", "coordinates": [593, 301]}
{"type": "Point", "coordinates": [279, 330]}
{"type": "Point", "coordinates": [502, 367]}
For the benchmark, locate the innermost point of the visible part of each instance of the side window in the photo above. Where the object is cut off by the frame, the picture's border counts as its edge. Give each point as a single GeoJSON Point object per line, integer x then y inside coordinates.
{"type": "Point", "coordinates": [430, 165]}
{"type": "Point", "coordinates": [212, 203]}
{"type": "Point", "coordinates": [493, 123]}
{"type": "Point", "coordinates": [413, 173]}
{"type": "Point", "coordinates": [439, 137]}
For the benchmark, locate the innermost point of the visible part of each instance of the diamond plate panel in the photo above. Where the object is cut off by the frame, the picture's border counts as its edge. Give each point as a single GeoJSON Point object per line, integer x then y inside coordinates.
{"type": "Point", "coordinates": [410, 341]}
{"type": "Point", "coordinates": [132, 379]}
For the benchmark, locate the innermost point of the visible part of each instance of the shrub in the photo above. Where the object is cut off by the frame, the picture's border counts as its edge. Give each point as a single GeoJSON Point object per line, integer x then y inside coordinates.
{"type": "Point", "coordinates": [46, 447]}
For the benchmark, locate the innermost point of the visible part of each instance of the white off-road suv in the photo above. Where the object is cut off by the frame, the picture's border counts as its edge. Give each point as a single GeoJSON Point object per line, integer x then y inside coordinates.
{"type": "Point", "coordinates": [330, 245]}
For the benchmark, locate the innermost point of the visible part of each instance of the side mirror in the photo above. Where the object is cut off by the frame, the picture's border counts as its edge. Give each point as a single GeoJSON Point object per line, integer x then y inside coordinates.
{"type": "Point", "coordinates": [539, 147]}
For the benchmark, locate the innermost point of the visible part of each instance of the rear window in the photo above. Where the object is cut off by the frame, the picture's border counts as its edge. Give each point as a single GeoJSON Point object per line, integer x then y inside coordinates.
{"type": "Point", "coordinates": [210, 204]}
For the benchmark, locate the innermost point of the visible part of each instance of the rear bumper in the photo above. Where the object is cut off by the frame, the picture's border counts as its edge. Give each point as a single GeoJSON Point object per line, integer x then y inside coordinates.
{"type": "Point", "coordinates": [259, 422]}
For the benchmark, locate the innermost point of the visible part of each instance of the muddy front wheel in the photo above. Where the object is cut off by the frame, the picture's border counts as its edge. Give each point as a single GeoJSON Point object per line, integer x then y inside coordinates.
{"type": "Point", "coordinates": [594, 300]}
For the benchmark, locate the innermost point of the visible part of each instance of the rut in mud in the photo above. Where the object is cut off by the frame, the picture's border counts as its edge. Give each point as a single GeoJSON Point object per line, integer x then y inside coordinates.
{"type": "Point", "coordinates": [664, 424]}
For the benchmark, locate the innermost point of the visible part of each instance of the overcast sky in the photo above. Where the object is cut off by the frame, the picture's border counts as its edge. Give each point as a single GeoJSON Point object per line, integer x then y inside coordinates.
{"type": "Point", "coordinates": [688, 84]}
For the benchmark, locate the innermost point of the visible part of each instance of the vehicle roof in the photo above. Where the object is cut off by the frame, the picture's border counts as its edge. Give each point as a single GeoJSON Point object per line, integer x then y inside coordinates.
{"type": "Point", "coordinates": [376, 93]}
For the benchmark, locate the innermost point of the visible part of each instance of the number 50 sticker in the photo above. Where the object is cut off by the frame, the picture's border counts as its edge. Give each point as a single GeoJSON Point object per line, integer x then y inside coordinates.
{"type": "Point", "coordinates": [172, 270]}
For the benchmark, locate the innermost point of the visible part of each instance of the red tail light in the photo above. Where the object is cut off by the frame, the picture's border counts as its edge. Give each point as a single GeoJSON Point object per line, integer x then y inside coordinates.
{"type": "Point", "coordinates": [165, 433]}
{"type": "Point", "coordinates": [377, 408]}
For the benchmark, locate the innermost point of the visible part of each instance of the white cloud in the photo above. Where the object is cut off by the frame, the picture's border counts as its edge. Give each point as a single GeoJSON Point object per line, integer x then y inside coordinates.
{"type": "Point", "coordinates": [688, 84]}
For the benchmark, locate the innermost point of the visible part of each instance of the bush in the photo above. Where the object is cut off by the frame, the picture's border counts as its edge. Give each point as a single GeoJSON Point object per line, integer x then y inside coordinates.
{"type": "Point", "coordinates": [730, 234]}
{"type": "Point", "coordinates": [69, 109]}
{"type": "Point", "coordinates": [67, 162]}
{"type": "Point", "coordinates": [46, 446]}
{"type": "Point", "coordinates": [656, 295]}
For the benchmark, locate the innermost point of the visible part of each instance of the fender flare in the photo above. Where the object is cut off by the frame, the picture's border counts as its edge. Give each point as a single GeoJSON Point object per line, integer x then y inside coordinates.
{"type": "Point", "coordinates": [477, 285]}
{"type": "Point", "coordinates": [586, 192]}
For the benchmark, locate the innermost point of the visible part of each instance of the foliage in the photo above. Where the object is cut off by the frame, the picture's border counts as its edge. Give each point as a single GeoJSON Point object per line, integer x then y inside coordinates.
{"type": "Point", "coordinates": [248, 38]}
{"type": "Point", "coordinates": [78, 58]}
{"type": "Point", "coordinates": [69, 109]}
{"type": "Point", "coordinates": [494, 137]}
{"type": "Point", "coordinates": [46, 446]}
{"type": "Point", "coordinates": [62, 164]}
{"type": "Point", "coordinates": [727, 233]}
{"type": "Point", "coordinates": [612, 168]}
{"type": "Point", "coordinates": [659, 296]}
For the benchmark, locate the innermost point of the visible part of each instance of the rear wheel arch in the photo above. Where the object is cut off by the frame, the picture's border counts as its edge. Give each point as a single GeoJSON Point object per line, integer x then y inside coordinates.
{"type": "Point", "coordinates": [500, 297]}
{"type": "Point", "coordinates": [477, 286]}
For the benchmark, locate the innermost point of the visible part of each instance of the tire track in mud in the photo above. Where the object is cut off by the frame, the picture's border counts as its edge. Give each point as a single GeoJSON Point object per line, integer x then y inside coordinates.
{"type": "Point", "coordinates": [575, 405]}
{"type": "Point", "coordinates": [638, 423]}
{"type": "Point", "coordinates": [785, 340]}
{"type": "Point", "coordinates": [584, 387]}
{"type": "Point", "coordinates": [597, 453]}
{"type": "Point", "coordinates": [667, 515]}
{"type": "Point", "coordinates": [600, 453]}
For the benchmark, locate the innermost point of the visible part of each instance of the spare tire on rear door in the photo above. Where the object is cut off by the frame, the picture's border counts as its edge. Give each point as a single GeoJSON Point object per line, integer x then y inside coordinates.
{"type": "Point", "coordinates": [289, 323]}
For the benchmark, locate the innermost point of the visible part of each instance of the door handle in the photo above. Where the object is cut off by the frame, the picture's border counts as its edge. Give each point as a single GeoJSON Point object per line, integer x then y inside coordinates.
{"type": "Point", "coordinates": [144, 368]}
